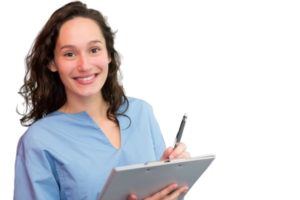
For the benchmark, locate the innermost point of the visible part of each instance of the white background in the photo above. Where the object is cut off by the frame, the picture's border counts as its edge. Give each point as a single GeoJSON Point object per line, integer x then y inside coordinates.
{"type": "Point", "coordinates": [233, 66]}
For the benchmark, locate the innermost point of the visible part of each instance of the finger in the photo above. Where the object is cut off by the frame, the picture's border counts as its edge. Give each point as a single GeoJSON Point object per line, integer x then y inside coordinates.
{"type": "Point", "coordinates": [163, 193]}
{"type": "Point", "coordinates": [184, 155]}
{"type": "Point", "coordinates": [132, 197]}
{"type": "Point", "coordinates": [176, 193]}
{"type": "Point", "coordinates": [167, 153]}
{"type": "Point", "coordinates": [180, 148]}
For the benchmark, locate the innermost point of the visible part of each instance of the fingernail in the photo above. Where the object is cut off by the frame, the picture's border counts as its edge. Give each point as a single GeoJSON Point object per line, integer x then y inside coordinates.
{"type": "Point", "coordinates": [186, 189]}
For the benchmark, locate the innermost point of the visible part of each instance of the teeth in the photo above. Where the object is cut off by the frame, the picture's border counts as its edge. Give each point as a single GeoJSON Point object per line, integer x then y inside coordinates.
{"type": "Point", "coordinates": [86, 78]}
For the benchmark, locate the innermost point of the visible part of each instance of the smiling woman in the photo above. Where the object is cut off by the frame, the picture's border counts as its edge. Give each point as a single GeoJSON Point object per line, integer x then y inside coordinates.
{"type": "Point", "coordinates": [81, 59]}
{"type": "Point", "coordinates": [81, 123]}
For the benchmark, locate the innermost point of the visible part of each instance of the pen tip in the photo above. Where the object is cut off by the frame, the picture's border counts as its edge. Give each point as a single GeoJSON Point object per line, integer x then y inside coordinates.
{"type": "Point", "coordinates": [185, 115]}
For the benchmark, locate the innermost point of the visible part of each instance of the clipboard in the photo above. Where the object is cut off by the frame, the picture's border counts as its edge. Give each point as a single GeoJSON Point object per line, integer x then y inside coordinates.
{"type": "Point", "coordinates": [149, 178]}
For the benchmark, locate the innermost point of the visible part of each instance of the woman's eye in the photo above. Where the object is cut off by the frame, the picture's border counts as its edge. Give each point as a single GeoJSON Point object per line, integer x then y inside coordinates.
{"type": "Point", "coordinates": [69, 54]}
{"type": "Point", "coordinates": [95, 50]}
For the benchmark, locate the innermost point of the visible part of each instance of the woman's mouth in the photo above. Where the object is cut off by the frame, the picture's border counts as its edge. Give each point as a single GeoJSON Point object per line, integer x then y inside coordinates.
{"type": "Point", "coordinates": [86, 79]}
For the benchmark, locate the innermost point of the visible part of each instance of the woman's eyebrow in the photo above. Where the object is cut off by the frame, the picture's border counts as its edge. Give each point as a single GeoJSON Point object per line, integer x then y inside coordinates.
{"type": "Point", "coordinates": [70, 46]}
{"type": "Point", "coordinates": [95, 41]}
{"type": "Point", "coordinates": [67, 46]}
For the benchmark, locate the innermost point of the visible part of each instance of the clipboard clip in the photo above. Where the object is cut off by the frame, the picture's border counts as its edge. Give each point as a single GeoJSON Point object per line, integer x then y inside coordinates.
{"type": "Point", "coordinates": [161, 161]}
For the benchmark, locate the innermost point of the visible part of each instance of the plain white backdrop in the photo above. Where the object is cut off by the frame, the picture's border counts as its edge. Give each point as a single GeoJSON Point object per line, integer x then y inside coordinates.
{"type": "Point", "coordinates": [233, 66]}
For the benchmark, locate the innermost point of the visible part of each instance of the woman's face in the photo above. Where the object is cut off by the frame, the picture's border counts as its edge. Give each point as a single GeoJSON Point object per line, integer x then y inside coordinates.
{"type": "Point", "coordinates": [81, 58]}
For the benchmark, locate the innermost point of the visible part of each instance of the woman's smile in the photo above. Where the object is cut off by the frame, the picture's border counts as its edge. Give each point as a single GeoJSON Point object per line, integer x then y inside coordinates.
{"type": "Point", "coordinates": [87, 79]}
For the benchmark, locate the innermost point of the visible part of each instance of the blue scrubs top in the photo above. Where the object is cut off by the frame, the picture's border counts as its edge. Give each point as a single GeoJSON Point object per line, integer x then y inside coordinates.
{"type": "Point", "coordinates": [67, 156]}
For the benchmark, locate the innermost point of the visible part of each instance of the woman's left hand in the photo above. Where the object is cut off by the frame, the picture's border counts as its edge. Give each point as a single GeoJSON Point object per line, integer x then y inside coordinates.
{"type": "Point", "coordinates": [175, 153]}
{"type": "Point", "coordinates": [171, 191]}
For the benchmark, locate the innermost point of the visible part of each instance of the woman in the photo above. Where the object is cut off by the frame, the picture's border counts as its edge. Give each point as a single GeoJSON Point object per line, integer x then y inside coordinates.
{"type": "Point", "coordinates": [81, 123]}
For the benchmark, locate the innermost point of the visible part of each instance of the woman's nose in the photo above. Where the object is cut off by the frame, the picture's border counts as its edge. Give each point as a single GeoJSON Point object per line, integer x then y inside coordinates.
{"type": "Point", "coordinates": [83, 64]}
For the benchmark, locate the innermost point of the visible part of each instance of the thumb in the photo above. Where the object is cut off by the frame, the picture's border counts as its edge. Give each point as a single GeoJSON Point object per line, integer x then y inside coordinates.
{"type": "Point", "coordinates": [132, 197]}
{"type": "Point", "coordinates": [167, 153]}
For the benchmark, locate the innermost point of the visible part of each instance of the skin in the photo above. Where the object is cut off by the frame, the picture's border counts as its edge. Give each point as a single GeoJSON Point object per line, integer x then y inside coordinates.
{"type": "Point", "coordinates": [172, 191]}
{"type": "Point", "coordinates": [81, 60]}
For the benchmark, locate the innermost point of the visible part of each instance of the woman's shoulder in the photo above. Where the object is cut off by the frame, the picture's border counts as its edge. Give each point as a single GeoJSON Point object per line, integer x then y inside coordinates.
{"type": "Point", "coordinates": [45, 123]}
{"type": "Point", "coordinates": [138, 104]}
{"type": "Point", "coordinates": [39, 132]}
{"type": "Point", "coordinates": [138, 107]}
{"type": "Point", "coordinates": [137, 101]}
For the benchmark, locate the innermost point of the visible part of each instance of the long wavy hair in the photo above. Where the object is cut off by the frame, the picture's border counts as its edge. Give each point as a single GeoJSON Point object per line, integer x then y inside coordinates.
{"type": "Point", "coordinates": [43, 90]}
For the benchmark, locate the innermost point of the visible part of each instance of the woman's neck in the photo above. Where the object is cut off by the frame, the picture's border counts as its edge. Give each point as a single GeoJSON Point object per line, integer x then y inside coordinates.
{"type": "Point", "coordinates": [94, 106]}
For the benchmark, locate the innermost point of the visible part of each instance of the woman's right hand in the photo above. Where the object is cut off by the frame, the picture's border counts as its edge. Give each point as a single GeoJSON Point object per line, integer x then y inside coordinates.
{"type": "Point", "coordinates": [171, 192]}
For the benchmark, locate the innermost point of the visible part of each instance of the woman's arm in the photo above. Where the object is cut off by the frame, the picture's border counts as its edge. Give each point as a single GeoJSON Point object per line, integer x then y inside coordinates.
{"type": "Point", "coordinates": [34, 174]}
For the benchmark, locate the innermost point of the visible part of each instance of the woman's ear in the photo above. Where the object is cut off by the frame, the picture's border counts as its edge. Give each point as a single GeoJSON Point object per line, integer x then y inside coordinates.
{"type": "Point", "coordinates": [52, 67]}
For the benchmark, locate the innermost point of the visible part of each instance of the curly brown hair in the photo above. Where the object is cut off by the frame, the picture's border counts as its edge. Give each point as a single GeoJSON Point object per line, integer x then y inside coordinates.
{"type": "Point", "coordinates": [43, 90]}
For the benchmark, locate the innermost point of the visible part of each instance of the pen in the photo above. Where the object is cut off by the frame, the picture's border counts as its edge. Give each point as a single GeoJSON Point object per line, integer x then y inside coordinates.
{"type": "Point", "coordinates": [180, 131]}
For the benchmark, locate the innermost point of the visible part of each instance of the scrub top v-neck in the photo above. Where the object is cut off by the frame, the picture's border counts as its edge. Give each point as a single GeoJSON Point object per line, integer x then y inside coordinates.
{"type": "Point", "coordinates": [67, 156]}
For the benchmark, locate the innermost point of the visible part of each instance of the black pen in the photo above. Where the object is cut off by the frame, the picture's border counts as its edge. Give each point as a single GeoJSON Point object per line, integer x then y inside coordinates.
{"type": "Point", "coordinates": [180, 131]}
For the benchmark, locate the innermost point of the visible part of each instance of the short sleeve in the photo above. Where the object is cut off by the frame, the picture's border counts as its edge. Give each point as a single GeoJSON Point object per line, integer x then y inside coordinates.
{"type": "Point", "coordinates": [34, 174]}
